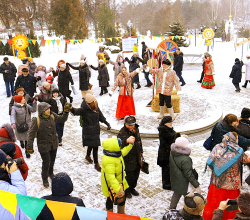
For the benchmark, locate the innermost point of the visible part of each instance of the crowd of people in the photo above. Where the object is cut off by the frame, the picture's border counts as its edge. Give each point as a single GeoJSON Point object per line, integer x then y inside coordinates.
{"type": "Point", "coordinates": [122, 159]}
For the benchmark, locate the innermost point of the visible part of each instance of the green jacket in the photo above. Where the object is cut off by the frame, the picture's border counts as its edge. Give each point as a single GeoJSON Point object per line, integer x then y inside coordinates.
{"type": "Point", "coordinates": [181, 170]}
{"type": "Point", "coordinates": [112, 166]}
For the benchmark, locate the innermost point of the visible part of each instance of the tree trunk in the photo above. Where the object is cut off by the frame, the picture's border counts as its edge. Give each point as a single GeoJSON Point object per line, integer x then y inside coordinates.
{"type": "Point", "coordinates": [66, 47]}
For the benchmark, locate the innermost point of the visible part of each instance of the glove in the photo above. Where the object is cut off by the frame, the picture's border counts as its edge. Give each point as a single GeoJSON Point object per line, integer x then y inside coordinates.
{"type": "Point", "coordinates": [108, 126]}
{"type": "Point", "coordinates": [198, 189]}
{"type": "Point", "coordinates": [38, 78]}
{"type": "Point", "coordinates": [110, 93]}
{"type": "Point", "coordinates": [30, 151]}
{"type": "Point", "coordinates": [67, 107]}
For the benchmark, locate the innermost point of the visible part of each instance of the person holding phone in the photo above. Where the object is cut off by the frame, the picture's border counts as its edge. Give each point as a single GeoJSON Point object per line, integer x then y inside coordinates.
{"type": "Point", "coordinates": [241, 204]}
{"type": "Point", "coordinates": [224, 161]}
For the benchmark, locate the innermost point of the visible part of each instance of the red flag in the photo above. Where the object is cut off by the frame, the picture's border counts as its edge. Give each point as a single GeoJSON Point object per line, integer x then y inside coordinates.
{"type": "Point", "coordinates": [43, 42]}
{"type": "Point", "coordinates": [150, 37]}
{"type": "Point", "coordinates": [67, 41]}
{"type": "Point", "coordinates": [116, 216]}
{"type": "Point", "coordinates": [9, 41]}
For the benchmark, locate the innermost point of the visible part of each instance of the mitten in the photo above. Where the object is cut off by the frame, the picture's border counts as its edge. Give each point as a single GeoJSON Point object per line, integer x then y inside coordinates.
{"type": "Point", "coordinates": [67, 107]}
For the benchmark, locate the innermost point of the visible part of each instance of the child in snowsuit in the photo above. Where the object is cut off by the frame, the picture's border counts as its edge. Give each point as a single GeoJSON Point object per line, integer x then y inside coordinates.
{"type": "Point", "coordinates": [41, 71]}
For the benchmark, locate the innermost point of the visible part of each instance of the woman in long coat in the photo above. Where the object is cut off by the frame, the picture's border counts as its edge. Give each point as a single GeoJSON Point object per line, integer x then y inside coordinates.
{"type": "Point", "coordinates": [117, 65]}
{"type": "Point", "coordinates": [20, 113]}
{"type": "Point", "coordinates": [103, 76]}
{"type": "Point", "coordinates": [125, 104]}
{"type": "Point", "coordinates": [208, 80]}
{"type": "Point", "coordinates": [247, 73]}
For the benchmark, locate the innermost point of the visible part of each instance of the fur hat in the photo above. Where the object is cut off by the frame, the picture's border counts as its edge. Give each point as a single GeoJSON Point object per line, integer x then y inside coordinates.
{"type": "Point", "coordinates": [166, 62]}
{"type": "Point", "coordinates": [166, 119]}
{"type": "Point", "coordinates": [245, 113]}
{"type": "Point", "coordinates": [18, 98]}
{"type": "Point", "coordinates": [45, 84]}
{"type": "Point", "coordinates": [20, 89]}
{"type": "Point", "coordinates": [244, 203]}
{"type": "Point", "coordinates": [89, 98]}
{"type": "Point", "coordinates": [129, 120]}
{"type": "Point", "coordinates": [9, 148]}
{"type": "Point", "coordinates": [2, 157]}
{"type": "Point", "coordinates": [63, 65]}
{"type": "Point", "coordinates": [194, 203]}
{"type": "Point", "coordinates": [6, 131]}
{"type": "Point", "coordinates": [101, 61]}
{"type": "Point", "coordinates": [237, 59]}
{"type": "Point", "coordinates": [5, 58]}
{"type": "Point", "coordinates": [182, 142]}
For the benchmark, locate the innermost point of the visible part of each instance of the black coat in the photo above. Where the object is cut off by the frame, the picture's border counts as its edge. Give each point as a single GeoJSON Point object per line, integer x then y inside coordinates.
{"type": "Point", "coordinates": [84, 75]}
{"type": "Point", "coordinates": [62, 186]}
{"type": "Point", "coordinates": [167, 136]}
{"type": "Point", "coordinates": [53, 104]}
{"type": "Point", "coordinates": [11, 75]}
{"type": "Point", "coordinates": [103, 75]}
{"type": "Point", "coordinates": [27, 82]}
{"type": "Point", "coordinates": [133, 65]}
{"type": "Point", "coordinates": [144, 47]}
{"type": "Point", "coordinates": [178, 62]}
{"type": "Point", "coordinates": [64, 77]}
{"type": "Point", "coordinates": [244, 128]}
{"type": "Point", "coordinates": [236, 72]}
{"type": "Point", "coordinates": [133, 158]}
{"type": "Point", "coordinates": [90, 124]}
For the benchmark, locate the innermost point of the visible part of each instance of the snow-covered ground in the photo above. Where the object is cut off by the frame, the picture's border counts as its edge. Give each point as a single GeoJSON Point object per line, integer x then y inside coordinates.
{"type": "Point", "coordinates": [196, 103]}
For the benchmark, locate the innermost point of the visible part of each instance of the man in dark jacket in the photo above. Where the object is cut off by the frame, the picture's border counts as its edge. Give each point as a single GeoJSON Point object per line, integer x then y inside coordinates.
{"type": "Point", "coordinates": [178, 64]}
{"type": "Point", "coordinates": [243, 202]}
{"type": "Point", "coordinates": [194, 203]}
{"type": "Point", "coordinates": [144, 48]}
{"type": "Point", "coordinates": [8, 70]}
{"type": "Point", "coordinates": [27, 81]}
{"type": "Point", "coordinates": [43, 127]}
{"type": "Point", "coordinates": [236, 74]}
{"type": "Point", "coordinates": [61, 188]}
{"type": "Point", "coordinates": [133, 160]}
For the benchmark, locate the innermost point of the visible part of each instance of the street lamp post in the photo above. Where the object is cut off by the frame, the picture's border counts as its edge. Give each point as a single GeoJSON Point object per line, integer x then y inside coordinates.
{"type": "Point", "coordinates": [9, 32]}
{"type": "Point", "coordinates": [130, 26]}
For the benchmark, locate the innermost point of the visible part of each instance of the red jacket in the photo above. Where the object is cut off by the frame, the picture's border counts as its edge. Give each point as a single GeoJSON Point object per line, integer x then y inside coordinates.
{"type": "Point", "coordinates": [4, 138]}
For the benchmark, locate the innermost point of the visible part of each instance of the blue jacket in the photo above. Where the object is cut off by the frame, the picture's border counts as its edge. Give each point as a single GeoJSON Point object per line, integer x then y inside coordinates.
{"type": "Point", "coordinates": [222, 128]}
{"type": "Point", "coordinates": [236, 73]}
{"type": "Point", "coordinates": [18, 186]}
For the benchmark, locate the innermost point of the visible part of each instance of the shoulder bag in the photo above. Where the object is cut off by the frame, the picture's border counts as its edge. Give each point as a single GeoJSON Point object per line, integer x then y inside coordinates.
{"type": "Point", "coordinates": [21, 128]}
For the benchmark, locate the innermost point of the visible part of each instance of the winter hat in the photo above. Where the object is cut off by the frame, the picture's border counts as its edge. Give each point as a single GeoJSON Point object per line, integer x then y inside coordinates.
{"type": "Point", "coordinates": [30, 58]}
{"type": "Point", "coordinates": [20, 89]}
{"type": "Point", "coordinates": [166, 62]}
{"type": "Point", "coordinates": [182, 142]}
{"type": "Point", "coordinates": [2, 157]}
{"type": "Point", "coordinates": [24, 60]}
{"type": "Point", "coordinates": [166, 119]}
{"type": "Point", "coordinates": [9, 148]}
{"type": "Point", "coordinates": [5, 58]}
{"type": "Point", "coordinates": [89, 98]}
{"type": "Point", "coordinates": [244, 203]}
{"type": "Point", "coordinates": [129, 120]}
{"type": "Point", "coordinates": [236, 59]}
{"type": "Point", "coordinates": [101, 61]}
{"type": "Point", "coordinates": [194, 203]}
{"type": "Point", "coordinates": [45, 84]}
{"type": "Point", "coordinates": [142, 42]}
{"type": "Point", "coordinates": [61, 184]}
{"type": "Point", "coordinates": [63, 65]}
{"type": "Point", "coordinates": [245, 113]}
{"type": "Point", "coordinates": [55, 91]}
{"type": "Point", "coordinates": [18, 98]}
{"type": "Point", "coordinates": [119, 141]}
{"type": "Point", "coordinates": [49, 77]}
{"type": "Point", "coordinates": [25, 70]}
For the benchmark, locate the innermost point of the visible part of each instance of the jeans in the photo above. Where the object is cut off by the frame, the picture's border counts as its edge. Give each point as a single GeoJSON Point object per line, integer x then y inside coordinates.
{"type": "Point", "coordinates": [9, 88]}
{"type": "Point", "coordinates": [48, 163]}
{"type": "Point", "coordinates": [95, 153]}
{"type": "Point", "coordinates": [59, 131]}
{"type": "Point", "coordinates": [165, 98]}
{"type": "Point", "coordinates": [147, 78]}
{"type": "Point", "coordinates": [180, 77]}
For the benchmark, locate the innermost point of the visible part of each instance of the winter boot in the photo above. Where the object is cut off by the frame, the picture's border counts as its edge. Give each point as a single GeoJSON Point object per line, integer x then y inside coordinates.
{"type": "Point", "coordinates": [171, 112]}
{"type": "Point", "coordinates": [245, 85]}
{"type": "Point", "coordinates": [162, 110]}
{"type": "Point", "coordinates": [25, 146]}
{"type": "Point", "coordinates": [46, 183]}
{"type": "Point", "coordinates": [138, 86]}
{"type": "Point", "coordinates": [97, 167]}
{"type": "Point", "coordinates": [109, 210]}
{"type": "Point", "coordinates": [121, 209]}
{"type": "Point", "coordinates": [22, 144]}
{"type": "Point", "coordinates": [88, 158]}
{"type": "Point", "coordinates": [134, 192]}
{"type": "Point", "coordinates": [70, 99]}
{"type": "Point", "coordinates": [128, 193]}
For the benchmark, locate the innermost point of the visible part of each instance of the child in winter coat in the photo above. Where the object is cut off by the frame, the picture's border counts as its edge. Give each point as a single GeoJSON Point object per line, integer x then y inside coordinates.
{"type": "Point", "coordinates": [103, 76]}
{"type": "Point", "coordinates": [181, 170]}
{"type": "Point", "coordinates": [21, 113]}
{"type": "Point", "coordinates": [50, 80]}
{"type": "Point", "coordinates": [57, 103]}
{"type": "Point", "coordinates": [45, 92]}
{"type": "Point", "coordinates": [32, 66]}
{"type": "Point", "coordinates": [113, 170]}
{"type": "Point", "coordinates": [236, 74]}
{"type": "Point", "coordinates": [41, 71]}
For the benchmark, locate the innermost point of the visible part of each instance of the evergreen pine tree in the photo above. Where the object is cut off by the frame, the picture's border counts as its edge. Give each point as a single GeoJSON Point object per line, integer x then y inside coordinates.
{"type": "Point", "coordinates": [177, 29]}
{"type": "Point", "coordinates": [6, 49]}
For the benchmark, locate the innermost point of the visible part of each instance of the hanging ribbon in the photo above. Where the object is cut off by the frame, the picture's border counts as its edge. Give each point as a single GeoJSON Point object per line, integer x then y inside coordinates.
{"type": "Point", "coordinates": [29, 51]}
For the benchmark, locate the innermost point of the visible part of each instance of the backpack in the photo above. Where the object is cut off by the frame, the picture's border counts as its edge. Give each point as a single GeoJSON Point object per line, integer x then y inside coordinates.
{"type": "Point", "coordinates": [38, 122]}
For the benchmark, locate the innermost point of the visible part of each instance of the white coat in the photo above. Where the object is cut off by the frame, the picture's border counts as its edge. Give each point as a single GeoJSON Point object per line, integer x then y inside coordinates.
{"type": "Point", "coordinates": [247, 74]}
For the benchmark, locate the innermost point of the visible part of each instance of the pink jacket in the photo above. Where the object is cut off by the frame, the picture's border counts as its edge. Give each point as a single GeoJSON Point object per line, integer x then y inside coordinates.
{"type": "Point", "coordinates": [166, 81]}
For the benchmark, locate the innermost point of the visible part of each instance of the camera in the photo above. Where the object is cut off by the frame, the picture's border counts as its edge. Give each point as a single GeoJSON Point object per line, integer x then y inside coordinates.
{"type": "Point", "coordinates": [233, 205]}
{"type": "Point", "coordinates": [9, 161]}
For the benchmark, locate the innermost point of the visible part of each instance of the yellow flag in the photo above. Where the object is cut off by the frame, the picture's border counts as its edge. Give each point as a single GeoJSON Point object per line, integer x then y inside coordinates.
{"type": "Point", "coordinates": [72, 41]}
{"type": "Point", "coordinates": [190, 36]}
{"type": "Point", "coordinates": [154, 37]}
{"type": "Point", "coordinates": [80, 41]}
{"type": "Point", "coordinates": [92, 40]}
{"type": "Point", "coordinates": [172, 37]}
{"type": "Point", "coordinates": [197, 35]}
{"type": "Point", "coordinates": [58, 42]}
{"type": "Point", "coordinates": [34, 42]}
{"type": "Point", "coordinates": [61, 210]}
{"type": "Point", "coordinates": [110, 39]}
{"type": "Point", "coordinates": [179, 37]}
{"type": "Point", "coordinates": [162, 37]}
{"type": "Point", "coordinates": [100, 40]}
{"type": "Point", "coordinates": [48, 42]}
{"type": "Point", "coordinates": [8, 201]}
{"type": "Point", "coordinates": [142, 37]}
{"type": "Point", "coordinates": [117, 38]}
